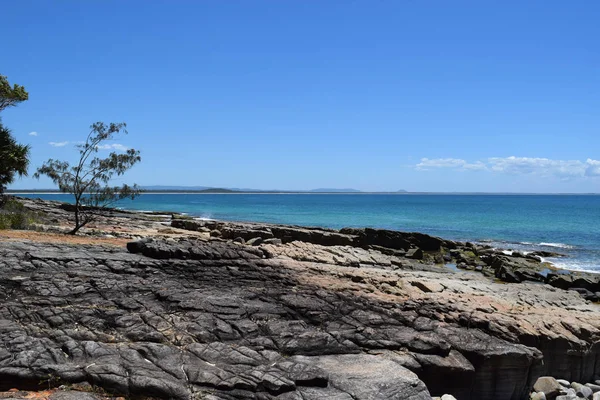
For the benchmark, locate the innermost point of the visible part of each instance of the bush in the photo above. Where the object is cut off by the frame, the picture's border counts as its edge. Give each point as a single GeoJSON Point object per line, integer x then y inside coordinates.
{"type": "Point", "coordinates": [14, 215]}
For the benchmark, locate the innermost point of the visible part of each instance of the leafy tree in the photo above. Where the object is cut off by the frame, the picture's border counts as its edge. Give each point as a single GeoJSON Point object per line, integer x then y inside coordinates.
{"type": "Point", "coordinates": [11, 96]}
{"type": "Point", "coordinates": [89, 180]}
{"type": "Point", "coordinates": [14, 157]}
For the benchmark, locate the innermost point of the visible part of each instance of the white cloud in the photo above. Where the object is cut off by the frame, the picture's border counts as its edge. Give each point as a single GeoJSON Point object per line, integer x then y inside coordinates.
{"type": "Point", "coordinates": [592, 167]}
{"type": "Point", "coordinates": [33, 133]}
{"type": "Point", "coordinates": [456, 163]}
{"type": "Point", "coordinates": [58, 144]}
{"type": "Point", "coordinates": [114, 146]}
{"type": "Point", "coordinates": [477, 166]}
{"type": "Point", "coordinates": [564, 169]}
{"type": "Point", "coordinates": [540, 166]}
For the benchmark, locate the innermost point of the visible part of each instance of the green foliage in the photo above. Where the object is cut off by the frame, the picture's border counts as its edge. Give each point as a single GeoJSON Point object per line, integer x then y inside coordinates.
{"type": "Point", "coordinates": [14, 157]}
{"type": "Point", "coordinates": [13, 215]}
{"type": "Point", "coordinates": [89, 180]}
{"type": "Point", "coordinates": [11, 96]}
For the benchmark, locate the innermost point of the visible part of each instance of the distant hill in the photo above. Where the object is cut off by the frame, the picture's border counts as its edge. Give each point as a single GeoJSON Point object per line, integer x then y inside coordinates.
{"type": "Point", "coordinates": [327, 190]}
{"type": "Point", "coordinates": [207, 189]}
{"type": "Point", "coordinates": [218, 190]}
{"type": "Point", "coordinates": [402, 191]}
{"type": "Point", "coordinates": [204, 189]}
{"type": "Point", "coordinates": [162, 188]}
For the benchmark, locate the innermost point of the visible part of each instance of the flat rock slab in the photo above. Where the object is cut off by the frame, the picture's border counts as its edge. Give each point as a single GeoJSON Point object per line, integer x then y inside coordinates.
{"type": "Point", "coordinates": [369, 377]}
{"type": "Point", "coordinates": [222, 320]}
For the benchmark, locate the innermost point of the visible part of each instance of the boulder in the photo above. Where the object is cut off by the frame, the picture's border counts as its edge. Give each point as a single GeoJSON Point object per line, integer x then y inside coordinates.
{"type": "Point", "coordinates": [595, 388]}
{"type": "Point", "coordinates": [582, 390]}
{"type": "Point", "coordinates": [255, 241]}
{"type": "Point", "coordinates": [537, 396]}
{"type": "Point", "coordinates": [559, 281]}
{"type": "Point", "coordinates": [549, 386]}
{"type": "Point", "coordinates": [505, 274]}
{"type": "Point", "coordinates": [587, 283]}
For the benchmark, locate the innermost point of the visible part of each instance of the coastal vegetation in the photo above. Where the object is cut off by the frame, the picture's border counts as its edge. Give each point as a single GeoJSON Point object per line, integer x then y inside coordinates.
{"type": "Point", "coordinates": [14, 215]}
{"type": "Point", "coordinates": [14, 157]}
{"type": "Point", "coordinates": [89, 180]}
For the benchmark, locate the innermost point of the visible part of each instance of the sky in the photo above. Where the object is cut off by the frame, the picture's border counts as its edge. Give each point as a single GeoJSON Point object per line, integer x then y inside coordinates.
{"type": "Point", "coordinates": [486, 96]}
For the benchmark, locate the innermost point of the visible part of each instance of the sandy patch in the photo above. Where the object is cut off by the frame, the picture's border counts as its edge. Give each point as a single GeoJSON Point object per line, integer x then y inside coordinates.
{"type": "Point", "coordinates": [47, 237]}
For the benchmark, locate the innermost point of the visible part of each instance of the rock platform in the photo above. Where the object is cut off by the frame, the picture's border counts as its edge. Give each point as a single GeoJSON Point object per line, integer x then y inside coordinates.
{"type": "Point", "coordinates": [215, 310]}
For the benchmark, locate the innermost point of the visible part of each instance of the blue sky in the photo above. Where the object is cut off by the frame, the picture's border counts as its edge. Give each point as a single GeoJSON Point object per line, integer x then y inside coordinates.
{"type": "Point", "coordinates": [375, 95]}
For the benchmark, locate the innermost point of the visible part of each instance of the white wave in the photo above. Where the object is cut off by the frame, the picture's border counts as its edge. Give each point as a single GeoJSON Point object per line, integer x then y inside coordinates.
{"type": "Point", "coordinates": [559, 245]}
{"type": "Point", "coordinates": [573, 265]}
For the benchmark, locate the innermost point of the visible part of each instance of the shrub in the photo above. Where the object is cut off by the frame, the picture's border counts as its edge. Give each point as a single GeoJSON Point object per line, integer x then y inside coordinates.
{"type": "Point", "coordinates": [14, 215]}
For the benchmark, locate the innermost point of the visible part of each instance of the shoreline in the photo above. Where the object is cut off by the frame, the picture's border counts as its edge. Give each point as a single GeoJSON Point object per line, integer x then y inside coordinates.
{"type": "Point", "coordinates": [499, 244]}
{"type": "Point", "coordinates": [331, 193]}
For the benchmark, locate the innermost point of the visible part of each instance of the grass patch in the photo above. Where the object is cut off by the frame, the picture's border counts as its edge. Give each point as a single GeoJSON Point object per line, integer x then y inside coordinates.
{"type": "Point", "coordinates": [14, 215]}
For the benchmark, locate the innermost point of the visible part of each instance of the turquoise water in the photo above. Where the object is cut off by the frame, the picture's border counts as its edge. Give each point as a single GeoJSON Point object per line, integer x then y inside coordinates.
{"type": "Point", "coordinates": [568, 224]}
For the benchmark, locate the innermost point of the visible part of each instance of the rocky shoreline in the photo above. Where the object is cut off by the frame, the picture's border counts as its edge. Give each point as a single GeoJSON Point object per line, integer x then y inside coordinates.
{"type": "Point", "coordinates": [219, 310]}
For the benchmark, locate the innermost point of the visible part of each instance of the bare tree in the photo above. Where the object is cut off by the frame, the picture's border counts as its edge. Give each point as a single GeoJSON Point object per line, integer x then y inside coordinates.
{"type": "Point", "coordinates": [89, 180]}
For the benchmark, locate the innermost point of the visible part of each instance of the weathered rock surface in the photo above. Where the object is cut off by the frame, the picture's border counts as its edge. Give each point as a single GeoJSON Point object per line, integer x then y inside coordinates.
{"type": "Point", "coordinates": [175, 319]}
{"type": "Point", "coordinates": [340, 315]}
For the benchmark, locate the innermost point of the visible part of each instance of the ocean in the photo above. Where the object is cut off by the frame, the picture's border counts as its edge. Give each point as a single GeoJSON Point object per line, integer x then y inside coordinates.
{"type": "Point", "coordinates": [568, 224]}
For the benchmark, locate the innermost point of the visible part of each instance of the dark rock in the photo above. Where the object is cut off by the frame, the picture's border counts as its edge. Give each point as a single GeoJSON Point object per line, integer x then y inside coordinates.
{"type": "Point", "coordinates": [546, 254]}
{"type": "Point", "coordinates": [586, 283]}
{"type": "Point", "coordinates": [505, 274]}
{"type": "Point", "coordinates": [529, 275]}
{"type": "Point", "coordinates": [586, 294]}
{"type": "Point", "coordinates": [533, 258]}
{"type": "Point", "coordinates": [394, 239]}
{"type": "Point", "coordinates": [559, 281]}
{"type": "Point", "coordinates": [416, 254]}
{"type": "Point", "coordinates": [245, 232]}
{"type": "Point", "coordinates": [316, 236]}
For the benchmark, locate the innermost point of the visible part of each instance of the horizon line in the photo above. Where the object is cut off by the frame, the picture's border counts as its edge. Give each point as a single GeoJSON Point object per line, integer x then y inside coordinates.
{"type": "Point", "coordinates": [308, 192]}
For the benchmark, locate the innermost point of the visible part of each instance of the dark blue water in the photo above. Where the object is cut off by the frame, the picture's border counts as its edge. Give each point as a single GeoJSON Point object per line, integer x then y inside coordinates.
{"type": "Point", "coordinates": [569, 224]}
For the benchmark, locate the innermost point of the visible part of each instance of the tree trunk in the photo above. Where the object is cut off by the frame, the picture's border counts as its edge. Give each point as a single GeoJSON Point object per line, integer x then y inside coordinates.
{"type": "Point", "coordinates": [78, 225]}
{"type": "Point", "coordinates": [74, 230]}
